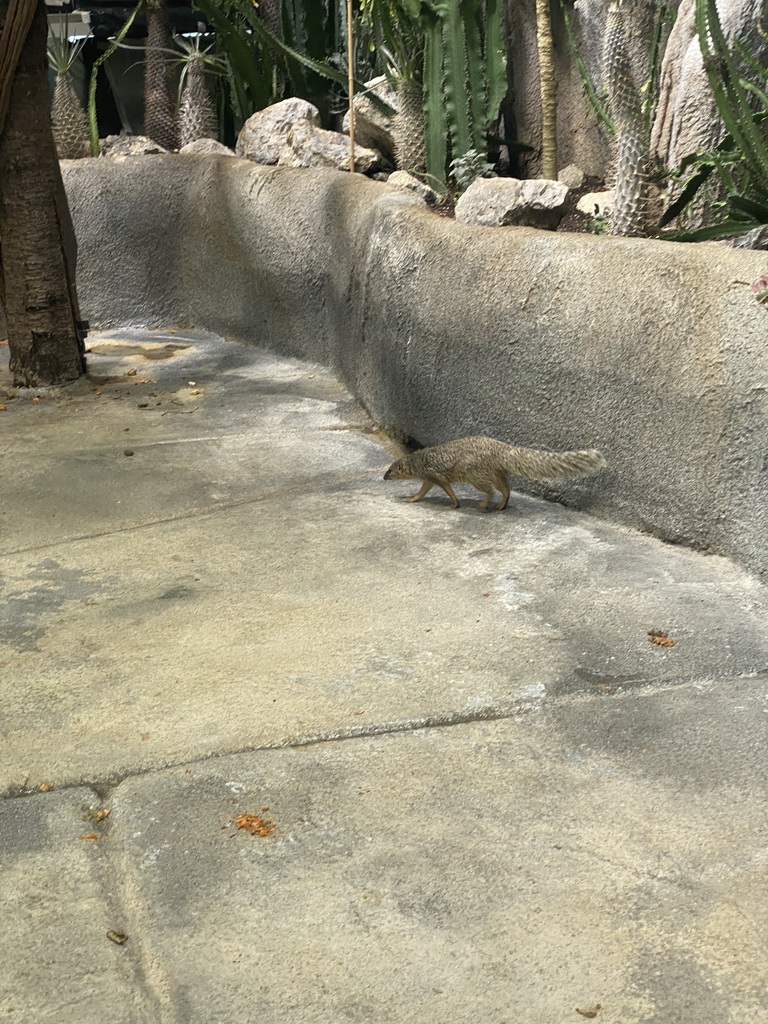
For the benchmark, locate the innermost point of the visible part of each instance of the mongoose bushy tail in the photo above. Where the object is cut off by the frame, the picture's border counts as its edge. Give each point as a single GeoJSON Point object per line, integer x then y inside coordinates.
{"type": "Point", "coordinates": [487, 465]}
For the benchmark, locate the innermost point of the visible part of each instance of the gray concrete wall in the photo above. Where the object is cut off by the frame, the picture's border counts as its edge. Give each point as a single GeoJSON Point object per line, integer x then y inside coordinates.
{"type": "Point", "coordinates": [654, 352]}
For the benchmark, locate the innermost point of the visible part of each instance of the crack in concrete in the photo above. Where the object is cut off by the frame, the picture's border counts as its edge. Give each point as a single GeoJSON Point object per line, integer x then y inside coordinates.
{"type": "Point", "coordinates": [316, 484]}
{"type": "Point", "coordinates": [103, 786]}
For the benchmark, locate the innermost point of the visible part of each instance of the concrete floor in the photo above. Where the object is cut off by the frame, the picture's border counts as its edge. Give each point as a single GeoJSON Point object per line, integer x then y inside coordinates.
{"type": "Point", "coordinates": [489, 796]}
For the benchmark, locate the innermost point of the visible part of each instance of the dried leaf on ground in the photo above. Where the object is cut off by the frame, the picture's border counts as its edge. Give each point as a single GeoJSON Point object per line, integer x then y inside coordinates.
{"type": "Point", "coordinates": [590, 1011]}
{"type": "Point", "coordinates": [660, 637]}
{"type": "Point", "coordinates": [255, 824]}
{"type": "Point", "coordinates": [117, 937]}
{"type": "Point", "coordinates": [91, 836]}
{"type": "Point", "coordinates": [45, 787]}
{"type": "Point", "coordinates": [94, 813]}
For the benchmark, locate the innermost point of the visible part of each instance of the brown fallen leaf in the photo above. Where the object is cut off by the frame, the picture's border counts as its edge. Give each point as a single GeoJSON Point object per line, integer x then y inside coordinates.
{"type": "Point", "coordinates": [590, 1011]}
{"type": "Point", "coordinates": [94, 813]}
{"type": "Point", "coordinates": [117, 937]}
{"type": "Point", "coordinates": [660, 637]}
{"type": "Point", "coordinates": [91, 836]}
{"type": "Point", "coordinates": [3, 408]}
{"type": "Point", "coordinates": [132, 373]}
{"type": "Point", "coordinates": [45, 787]}
{"type": "Point", "coordinates": [254, 824]}
{"type": "Point", "coordinates": [36, 401]}
{"type": "Point", "coordinates": [605, 687]}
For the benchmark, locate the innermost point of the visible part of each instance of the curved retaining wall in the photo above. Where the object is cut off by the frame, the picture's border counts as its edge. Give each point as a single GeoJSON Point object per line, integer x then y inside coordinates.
{"type": "Point", "coordinates": [654, 352]}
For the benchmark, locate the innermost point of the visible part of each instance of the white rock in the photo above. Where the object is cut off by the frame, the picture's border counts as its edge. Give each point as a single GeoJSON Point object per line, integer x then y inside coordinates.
{"type": "Point", "coordinates": [405, 182]}
{"type": "Point", "coordinates": [307, 146]}
{"type": "Point", "coordinates": [129, 145]}
{"type": "Point", "coordinates": [207, 146]}
{"type": "Point", "coordinates": [596, 204]}
{"type": "Point", "coordinates": [373, 127]}
{"type": "Point", "coordinates": [262, 137]}
{"type": "Point", "coordinates": [572, 176]}
{"type": "Point", "coordinates": [499, 202]}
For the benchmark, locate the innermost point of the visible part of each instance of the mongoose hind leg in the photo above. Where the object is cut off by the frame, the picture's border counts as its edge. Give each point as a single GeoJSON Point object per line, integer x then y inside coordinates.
{"type": "Point", "coordinates": [427, 485]}
{"type": "Point", "coordinates": [504, 488]}
{"type": "Point", "coordinates": [449, 491]}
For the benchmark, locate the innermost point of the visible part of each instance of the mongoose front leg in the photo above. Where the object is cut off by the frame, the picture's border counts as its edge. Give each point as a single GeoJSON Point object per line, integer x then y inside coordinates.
{"type": "Point", "coordinates": [427, 485]}
{"type": "Point", "coordinates": [486, 500]}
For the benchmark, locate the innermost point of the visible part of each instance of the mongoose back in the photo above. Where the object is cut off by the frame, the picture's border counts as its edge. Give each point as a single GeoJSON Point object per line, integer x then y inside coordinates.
{"type": "Point", "coordinates": [487, 465]}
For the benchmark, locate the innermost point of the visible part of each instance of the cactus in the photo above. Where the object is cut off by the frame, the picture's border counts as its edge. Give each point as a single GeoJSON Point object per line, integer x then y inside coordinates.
{"type": "Point", "coordinates": [197, 118]}
{"type": "Point", "coordinates": [408, 127]}
{"type": "Point", "coordinates": [69, 121]}
{"type": "Point", "coordinates": [160, 123]}
{"type": "Point", "coordinates": [630, 176]}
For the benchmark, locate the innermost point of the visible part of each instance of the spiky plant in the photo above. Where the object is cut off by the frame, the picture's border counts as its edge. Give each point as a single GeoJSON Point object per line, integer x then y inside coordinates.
{"type": "Point", "coordinates": [408, 126]}
{"type": "Point", "coordinates": [271, 13]}
{"type": "Point", "coordinates": [630, 202]}
{"type": "Point", "coordinates": [70, 123]}
{"type": "Point", "coordinates": [160, 122]}
{"type": "Point", "coordinates": [197, 116]}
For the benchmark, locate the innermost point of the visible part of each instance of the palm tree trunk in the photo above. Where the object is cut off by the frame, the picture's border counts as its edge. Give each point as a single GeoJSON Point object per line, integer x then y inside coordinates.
{"type": "Point", "coordinates": [548, 88]}
{"type": "Point", "coordinates": [37, 246]}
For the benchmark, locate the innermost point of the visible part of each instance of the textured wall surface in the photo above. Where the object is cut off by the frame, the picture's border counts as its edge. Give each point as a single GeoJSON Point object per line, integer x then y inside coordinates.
{"type": "Point", "coordinates": [654, 352]}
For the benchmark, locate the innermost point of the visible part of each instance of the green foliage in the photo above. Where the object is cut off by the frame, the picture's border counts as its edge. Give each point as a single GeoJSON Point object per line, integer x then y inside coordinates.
{"type": "Point", "coordinates": [454, 50]}
{"type": "Point", "coordinates": [92, 123]}
{"type": "Point", "coordinates": [740, 160]}
{"type": "Point", "coordinates": [468, 168]}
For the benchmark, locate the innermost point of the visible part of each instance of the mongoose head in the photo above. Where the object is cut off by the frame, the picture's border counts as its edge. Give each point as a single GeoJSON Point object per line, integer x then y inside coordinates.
{"type": "Point", "coordinates": [399, 471]}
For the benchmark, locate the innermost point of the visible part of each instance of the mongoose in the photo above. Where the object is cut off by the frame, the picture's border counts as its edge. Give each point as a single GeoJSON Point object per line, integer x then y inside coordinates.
{"type": "Point", "coordinates": [487, 465]}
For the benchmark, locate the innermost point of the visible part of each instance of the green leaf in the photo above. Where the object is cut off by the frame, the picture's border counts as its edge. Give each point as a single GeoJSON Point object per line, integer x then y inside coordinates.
{"type": "Point", "coordinates": [93, 128]}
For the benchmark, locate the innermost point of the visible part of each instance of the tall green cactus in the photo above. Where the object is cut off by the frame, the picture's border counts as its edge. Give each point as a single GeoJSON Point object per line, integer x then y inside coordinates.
{"type": "Point", "coordinates": [630, 215]}
{"type": "Point", "coordinates": [453, 50]}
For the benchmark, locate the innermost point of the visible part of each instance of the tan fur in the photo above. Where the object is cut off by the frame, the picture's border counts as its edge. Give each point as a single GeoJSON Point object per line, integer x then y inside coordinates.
{"type": "Point", "coordinates": [487, 465]}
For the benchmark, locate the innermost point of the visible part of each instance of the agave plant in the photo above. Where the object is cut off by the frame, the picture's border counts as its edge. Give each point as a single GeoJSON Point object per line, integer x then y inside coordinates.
{"type": "Point", "coordinates": [70, 124]}
{"type": "Point", "coordinates": [740, 160]}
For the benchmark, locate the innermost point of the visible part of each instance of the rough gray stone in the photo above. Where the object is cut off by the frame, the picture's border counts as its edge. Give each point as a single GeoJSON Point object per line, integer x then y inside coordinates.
{"type": "Point", "coordinates": [572, 176]}
{"type": "Point", "coordinates": [307, 146]}
{"type": "Point", "coordinates": [262, 137]}
{"type": "Point", "coordinates": [129, 145]}
{"type": "Point", "coordinates": [405, 182]}
{"type": "Point", "coordinates": [210, 146]}
{"type": "Point", "coordinates": [647, 347]}
{"type": "Point", "coordinates": [501, 202]}
{"type": "Point", "coordinates": [373, 128]}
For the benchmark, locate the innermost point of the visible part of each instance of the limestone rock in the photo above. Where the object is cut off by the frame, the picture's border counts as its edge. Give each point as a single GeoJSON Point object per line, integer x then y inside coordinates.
{"type": "Point", "coordinates": [405, 182]}
{"type": "Point", "coordinates": [596, 204]}
{"type": "Point", "coordinates": [572, 176]}
{"type": "Point", "coordinates": [129, 145]}
{"type": "Point", "coordinates": [307, 146]}
{"type": "Point", "coordinates": [207, 146]}
{"type": "Point", "coordinates": [499, 202]}
{"type": "Point", "coordinates": [373, 128]}
{"type": "Point", "coordinates": [263, 136]}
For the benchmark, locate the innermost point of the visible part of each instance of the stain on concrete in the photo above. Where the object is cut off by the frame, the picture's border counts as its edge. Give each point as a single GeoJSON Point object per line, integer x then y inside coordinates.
{"type": "Point", "coordinates": [28, 599]}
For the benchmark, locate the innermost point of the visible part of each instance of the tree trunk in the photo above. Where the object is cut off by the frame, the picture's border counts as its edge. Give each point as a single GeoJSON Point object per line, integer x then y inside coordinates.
{"type": "Point", "coordinates": [37, 246]}
{"type": "Point", "coordinates": [548, 89]}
